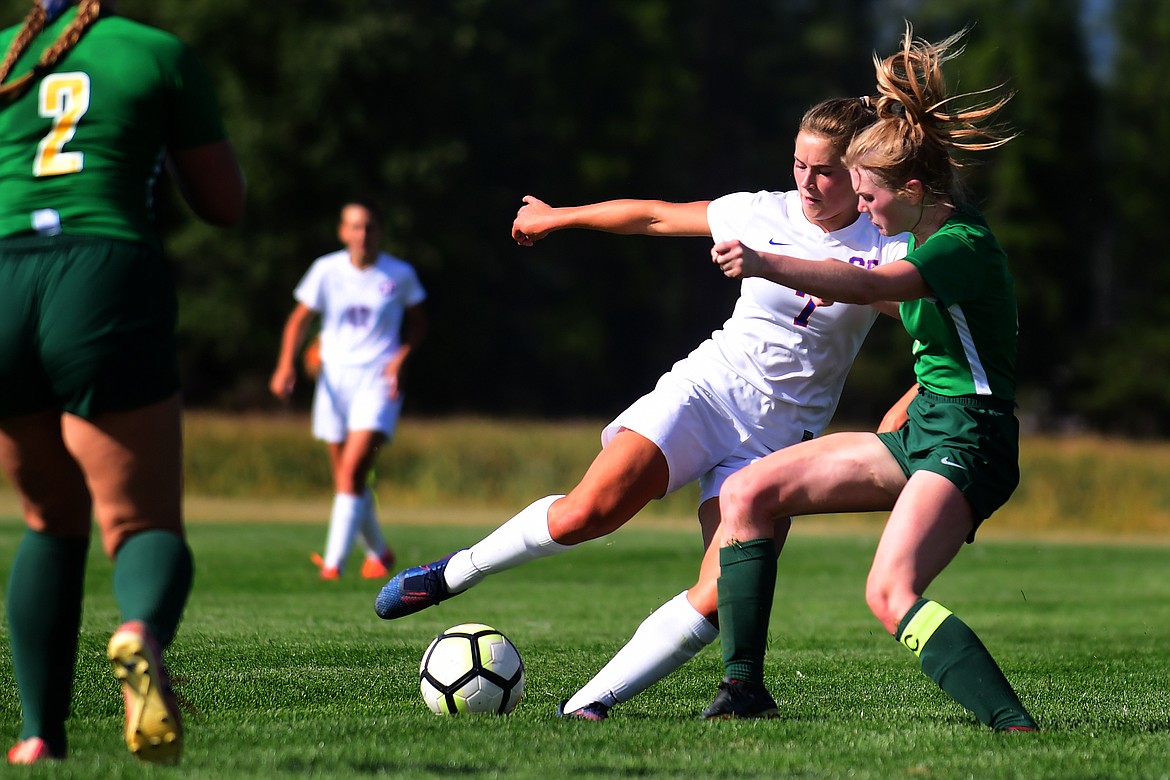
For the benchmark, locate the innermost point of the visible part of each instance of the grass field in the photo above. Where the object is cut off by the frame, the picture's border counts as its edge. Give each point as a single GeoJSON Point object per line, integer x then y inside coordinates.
{"type": "Point", "coordinates": [286, 676]}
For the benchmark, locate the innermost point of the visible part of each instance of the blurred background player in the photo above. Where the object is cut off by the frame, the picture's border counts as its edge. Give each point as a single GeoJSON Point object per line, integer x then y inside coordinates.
{"type": "Point", "coordinates": [89, 383]}
{"type": "Point", "coordinates": [366, 299]}
{"type": "Point", "coordinates": [771, 377]}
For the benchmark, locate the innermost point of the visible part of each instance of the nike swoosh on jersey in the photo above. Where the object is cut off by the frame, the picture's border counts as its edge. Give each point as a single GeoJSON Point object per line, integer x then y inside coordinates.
{"type": "Point", "coordinates": [774, 242]}
{"type": "Point", "coordinates": [946, 461]}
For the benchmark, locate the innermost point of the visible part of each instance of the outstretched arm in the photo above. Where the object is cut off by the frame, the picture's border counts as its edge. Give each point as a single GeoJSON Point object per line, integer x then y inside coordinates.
{"type": "Point", "coordinates": [831, 279]}
{"type": "Point", "coordinates": [536, 219]}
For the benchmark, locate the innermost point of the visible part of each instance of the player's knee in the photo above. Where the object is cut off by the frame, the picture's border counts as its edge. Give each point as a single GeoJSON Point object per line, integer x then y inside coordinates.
{"type": "Point", "coordinates": [348, 482]}
{"type": "Point", "coordinates": [119, 523]}
{"type": "Point", "coordinates": [741, 504]}
{"type": "Point", "coordinates": [571, 521]}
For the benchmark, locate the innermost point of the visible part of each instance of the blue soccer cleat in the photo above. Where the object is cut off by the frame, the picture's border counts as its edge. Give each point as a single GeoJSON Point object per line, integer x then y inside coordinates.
{"type": "Point", "coordinates": [592, 711]}
{"type": "Point", "coordinates": [413, 590]}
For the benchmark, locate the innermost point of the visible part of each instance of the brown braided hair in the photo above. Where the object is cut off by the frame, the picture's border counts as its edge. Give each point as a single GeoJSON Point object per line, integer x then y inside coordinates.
{"type": "Point", "coordinates": [87, 12]}
{"type": "Point", "coordinates": [918, 126]}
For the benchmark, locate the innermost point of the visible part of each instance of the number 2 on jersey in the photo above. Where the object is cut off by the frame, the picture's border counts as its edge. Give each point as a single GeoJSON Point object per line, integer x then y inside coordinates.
{"type": "Point", "coordinates": [64, 98]}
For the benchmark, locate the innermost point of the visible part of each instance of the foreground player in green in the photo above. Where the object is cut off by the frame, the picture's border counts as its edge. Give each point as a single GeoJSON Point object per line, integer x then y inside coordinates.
{"type": "Point", "coordinates": [90, 106]}
{"type": "Point", "coordinates": [955, 461]}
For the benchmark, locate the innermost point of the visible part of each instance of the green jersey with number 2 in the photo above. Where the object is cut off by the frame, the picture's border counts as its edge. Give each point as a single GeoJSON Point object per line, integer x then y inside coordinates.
{"type": "Point", "coordinates": [81, 149]}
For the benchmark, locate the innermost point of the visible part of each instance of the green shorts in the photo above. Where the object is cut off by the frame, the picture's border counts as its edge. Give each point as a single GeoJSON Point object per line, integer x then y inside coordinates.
{"type": "Point", "coordinates": [974, 442]}
{"type": "Point", "coordinates": [88, 326]}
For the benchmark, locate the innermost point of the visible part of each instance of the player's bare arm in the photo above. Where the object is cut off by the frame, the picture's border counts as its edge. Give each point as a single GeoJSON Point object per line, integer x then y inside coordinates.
{"type": "Point", "coordinates": [211, 181]}
{"type": "Point", "coordinates": [830, 278]}
{"type": "Point", "coordinates": [536, 219]}
{"type": "Point", "coordinates": [416, 331]}
{"type": "Point", "coordinates": [284, 378]}
{"type": "Point", "coordinates": [897, 416]}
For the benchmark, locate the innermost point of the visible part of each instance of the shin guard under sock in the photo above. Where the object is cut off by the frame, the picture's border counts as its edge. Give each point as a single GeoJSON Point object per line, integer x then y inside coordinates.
{"type": "Point", "coordinates": [954, 657]}
{"type": "Point", "coordinates": [747, 582]}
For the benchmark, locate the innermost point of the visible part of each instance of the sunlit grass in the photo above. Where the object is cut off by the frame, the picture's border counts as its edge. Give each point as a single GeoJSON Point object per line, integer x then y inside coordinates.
{"type": "Point", "coordinates": [285, 676]}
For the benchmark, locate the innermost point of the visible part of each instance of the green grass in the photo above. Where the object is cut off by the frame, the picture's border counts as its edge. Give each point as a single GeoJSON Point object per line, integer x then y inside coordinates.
{"type": "Point", "coordinates": [286, 676]}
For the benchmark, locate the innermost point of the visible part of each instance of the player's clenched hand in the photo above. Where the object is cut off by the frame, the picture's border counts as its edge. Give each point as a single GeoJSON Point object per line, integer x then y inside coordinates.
{"type": "Point", "coordinates": [735, 260]}
{"type": "Point", "coordinates": [532, 221]}
{"type": "Point", "coordinates": [282, 382]}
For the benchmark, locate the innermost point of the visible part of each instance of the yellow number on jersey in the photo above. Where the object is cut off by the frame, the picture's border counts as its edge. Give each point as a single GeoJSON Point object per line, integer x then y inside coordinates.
{"type": "Point", "coordinates": [64, 98]}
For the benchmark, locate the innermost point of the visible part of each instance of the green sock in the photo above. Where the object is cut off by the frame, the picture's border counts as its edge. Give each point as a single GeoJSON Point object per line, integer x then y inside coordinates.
{"type": "Point", "coordinates": [45, 590]}
{"type": "Point", "coordinates": [952, 655]}
{"type": "Point", "coordinates": [747, 581]}
{"type": "Point", "coordinates": [153, 571]}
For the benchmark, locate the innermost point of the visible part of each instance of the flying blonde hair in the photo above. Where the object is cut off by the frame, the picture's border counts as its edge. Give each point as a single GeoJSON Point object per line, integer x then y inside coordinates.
{"type": "Point", "coordinates": [919, 126]}
{"type": "Point", "coordinates": [87, 12]}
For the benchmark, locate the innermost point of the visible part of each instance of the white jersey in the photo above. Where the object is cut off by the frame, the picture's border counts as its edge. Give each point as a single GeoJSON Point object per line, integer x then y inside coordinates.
{"type": "Point", "coordinates": [790, 350]}
{"type": "Point", "coordinates": [361, 308]}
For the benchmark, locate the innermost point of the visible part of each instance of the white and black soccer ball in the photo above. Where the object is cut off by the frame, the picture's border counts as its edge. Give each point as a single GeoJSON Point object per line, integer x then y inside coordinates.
{"type": "Point", "coordinates": [471, 668]}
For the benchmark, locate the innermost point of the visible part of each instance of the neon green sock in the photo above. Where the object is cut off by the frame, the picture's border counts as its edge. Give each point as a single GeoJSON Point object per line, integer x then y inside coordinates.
{"type": "Point", "coordinates": [45, 589]}
{"type": "Point", "coordinates": [747, 581]}
{"type": "Point", "coordinates": [153, 571]}
{"type": "Point", "coordinates": [952, 655]}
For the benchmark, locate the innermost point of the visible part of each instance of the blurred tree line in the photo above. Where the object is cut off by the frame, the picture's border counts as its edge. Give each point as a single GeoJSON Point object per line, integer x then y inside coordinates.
{"type": "Point", "coordinates": [447, 113]}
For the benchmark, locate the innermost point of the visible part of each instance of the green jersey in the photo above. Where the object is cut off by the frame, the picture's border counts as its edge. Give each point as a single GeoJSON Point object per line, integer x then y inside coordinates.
{"type": "Point", "coordinates": [965, 333]}
{"type": "Point", "coordinates": [81, 149]}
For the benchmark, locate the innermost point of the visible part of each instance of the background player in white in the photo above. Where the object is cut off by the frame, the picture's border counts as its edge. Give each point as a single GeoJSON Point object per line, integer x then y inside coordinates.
{"type": "Point", "coordinates": [769, 378]}
{"type": "Point", "coordinates": [365, 297]}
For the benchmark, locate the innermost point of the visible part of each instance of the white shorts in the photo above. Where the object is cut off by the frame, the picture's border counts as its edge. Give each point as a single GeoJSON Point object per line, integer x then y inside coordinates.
{"type": "Point", "coordinates": [710, 427]}
{"type": "Point", "coordinates": [353, 398]}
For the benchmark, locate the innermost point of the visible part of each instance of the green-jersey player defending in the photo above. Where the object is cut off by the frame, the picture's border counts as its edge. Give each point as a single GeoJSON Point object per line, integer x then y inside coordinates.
{"type": "Point", "coordinates": [955, 461]}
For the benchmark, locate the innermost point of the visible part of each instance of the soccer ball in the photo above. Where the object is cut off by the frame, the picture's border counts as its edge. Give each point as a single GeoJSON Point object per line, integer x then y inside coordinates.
{"type": "Point", "coordinates": [471, 668]}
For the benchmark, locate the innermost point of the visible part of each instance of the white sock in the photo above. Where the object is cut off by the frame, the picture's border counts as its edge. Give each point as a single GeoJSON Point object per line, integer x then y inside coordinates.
{"type": "Point", "coordinates": [343, 525]}
{"type": "Point", "coordinates": [666, 640]}
{"type": "Point", "coordinates": [523, 538]}
{"type": "Point", "coordinates": [369, 531]}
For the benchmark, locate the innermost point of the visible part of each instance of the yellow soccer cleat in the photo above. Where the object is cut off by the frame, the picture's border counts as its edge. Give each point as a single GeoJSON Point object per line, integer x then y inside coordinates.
{"type": "Point", "coordinates": [154, 729]}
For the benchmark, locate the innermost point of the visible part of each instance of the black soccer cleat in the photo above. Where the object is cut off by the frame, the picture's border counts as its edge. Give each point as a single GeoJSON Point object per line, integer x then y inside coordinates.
{"type": "Point", "coordinates": [739, 699]}
{"type": "Point", "coordinates": [413, 590]}
{"type": "Point", "coordinates": [592, 711]}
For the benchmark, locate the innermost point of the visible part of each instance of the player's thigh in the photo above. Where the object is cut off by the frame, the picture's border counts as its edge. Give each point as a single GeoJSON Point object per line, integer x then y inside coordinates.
{"type": "Point", "coordinates": [332, 398]}
{"type": "Point", "coordinates": [841, 472]}
{"type": "Point", "coordinates": [693, 432]}
{"type": "Point", "coordinates": [628, 473]}
{"type": "Point", "coordinates": [133, 464]}
{"type": "Point", "coordinates": [371, 408]}
{"type": "Point", "coordinates": [52, 488]}
{"type": "Point", "coordinates": [926, 529]}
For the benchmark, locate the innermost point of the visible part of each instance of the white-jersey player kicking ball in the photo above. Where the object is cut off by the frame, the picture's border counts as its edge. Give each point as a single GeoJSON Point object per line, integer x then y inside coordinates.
{"type": "Point", "coordinates": [769, 378]}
